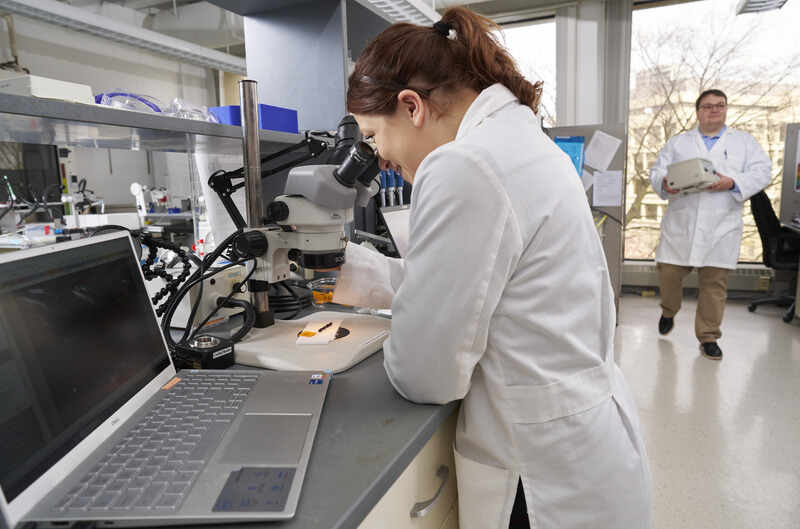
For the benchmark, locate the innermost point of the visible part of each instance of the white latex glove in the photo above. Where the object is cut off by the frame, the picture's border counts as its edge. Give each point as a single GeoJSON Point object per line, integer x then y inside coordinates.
{"type": "Point", "coordinates": [364, 280]}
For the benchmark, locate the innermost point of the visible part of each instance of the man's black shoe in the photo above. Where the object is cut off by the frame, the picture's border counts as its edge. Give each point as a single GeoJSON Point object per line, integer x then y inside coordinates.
{"type": "Point", "coordinates": [665, 325]}
{"type": "Point", "coordinates": [711, 350]}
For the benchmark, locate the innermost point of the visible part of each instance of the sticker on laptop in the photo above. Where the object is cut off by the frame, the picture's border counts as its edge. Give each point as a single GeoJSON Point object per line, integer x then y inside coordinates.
{"type": "Point", "coordinates": [316, 379]}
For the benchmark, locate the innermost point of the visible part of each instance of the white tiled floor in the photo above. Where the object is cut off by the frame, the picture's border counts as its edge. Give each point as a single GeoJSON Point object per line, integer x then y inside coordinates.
{"type": "Point", "coordinates": [723, 437]}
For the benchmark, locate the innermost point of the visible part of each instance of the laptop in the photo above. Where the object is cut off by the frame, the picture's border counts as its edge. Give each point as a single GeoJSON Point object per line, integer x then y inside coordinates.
{"type": "Point", "coordinates": [96, 425]}
{"type": "Point", "coordinates": [691, 176]}
{"type": "Point", "coordinates": [396, 219]}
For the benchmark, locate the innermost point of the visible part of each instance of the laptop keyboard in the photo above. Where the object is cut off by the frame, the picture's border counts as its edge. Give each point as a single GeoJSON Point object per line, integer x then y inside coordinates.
{"type": "Point", "coordinates": [154, 466]}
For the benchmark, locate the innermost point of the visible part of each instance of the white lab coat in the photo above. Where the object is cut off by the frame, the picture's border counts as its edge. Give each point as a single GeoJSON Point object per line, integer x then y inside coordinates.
{"type": "Point", "coordinates": [705, 228]}
{"type": "Point", "coordinates": [504, 300]}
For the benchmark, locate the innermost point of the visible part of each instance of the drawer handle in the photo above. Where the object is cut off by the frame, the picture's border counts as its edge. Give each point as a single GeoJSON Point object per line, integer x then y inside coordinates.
{"type": "Point", "coordinates": [424, 507]}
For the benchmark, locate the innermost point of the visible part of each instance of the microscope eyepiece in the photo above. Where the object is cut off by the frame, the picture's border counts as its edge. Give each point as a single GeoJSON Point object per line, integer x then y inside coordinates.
{"type": "Point", "coordinates": [369, 172]}
{"type": "Point", "coordinates": [357, 165]}
{"type": "Point", "coordinates": [347, 134]}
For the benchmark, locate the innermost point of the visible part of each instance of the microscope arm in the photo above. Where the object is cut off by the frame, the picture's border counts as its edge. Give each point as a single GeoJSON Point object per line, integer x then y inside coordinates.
{"type": "Point", "coordinates": [222, 182]}
{"type": "Point", "coordinates": [315, 148]}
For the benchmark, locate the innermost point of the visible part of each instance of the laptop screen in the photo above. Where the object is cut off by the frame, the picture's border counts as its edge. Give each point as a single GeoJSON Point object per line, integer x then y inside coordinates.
{"type": "Point", "coordinates": [78, 338]}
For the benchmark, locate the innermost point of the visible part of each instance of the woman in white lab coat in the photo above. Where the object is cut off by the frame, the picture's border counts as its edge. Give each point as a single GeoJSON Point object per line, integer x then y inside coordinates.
{"type": "Point", "coordinates": [504, 298]}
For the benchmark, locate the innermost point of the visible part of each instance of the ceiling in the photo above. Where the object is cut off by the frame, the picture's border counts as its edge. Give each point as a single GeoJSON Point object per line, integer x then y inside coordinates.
{"type": "Point", "coordinates": [205, 24]}
{"type": "Point", "coordinates": [134, 4]}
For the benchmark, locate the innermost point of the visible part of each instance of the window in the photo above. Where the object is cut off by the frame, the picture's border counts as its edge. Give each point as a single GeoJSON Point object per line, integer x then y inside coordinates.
{"type": "Point", "coordinates": [678, 51]}
{"type": "Point", "coordinates": [533, 47]}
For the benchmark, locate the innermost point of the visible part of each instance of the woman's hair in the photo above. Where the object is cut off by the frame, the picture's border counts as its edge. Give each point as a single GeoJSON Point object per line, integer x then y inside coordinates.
{"type": "Point", "coordinates": [459, 51]}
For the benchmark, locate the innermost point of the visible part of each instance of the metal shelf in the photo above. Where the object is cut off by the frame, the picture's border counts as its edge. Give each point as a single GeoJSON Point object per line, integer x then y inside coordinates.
{"type": "Point", "coordinates": [50, 122]}
{"type": "Point", "coordinates": [78, 19]}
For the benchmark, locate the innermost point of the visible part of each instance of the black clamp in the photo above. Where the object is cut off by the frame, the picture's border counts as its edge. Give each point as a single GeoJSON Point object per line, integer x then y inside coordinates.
{"type": "Point", "coordinates": [222, 181]}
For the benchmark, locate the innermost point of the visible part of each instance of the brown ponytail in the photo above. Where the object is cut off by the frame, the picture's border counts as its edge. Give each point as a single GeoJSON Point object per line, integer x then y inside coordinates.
{"type": "Point", "coordinates": [423, 58]}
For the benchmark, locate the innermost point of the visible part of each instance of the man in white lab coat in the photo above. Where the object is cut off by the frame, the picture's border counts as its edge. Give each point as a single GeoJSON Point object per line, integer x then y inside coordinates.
{"type": "Point", "coordinates": [704, 230]}
{"type": "Point", "coordinates": [503, 298]}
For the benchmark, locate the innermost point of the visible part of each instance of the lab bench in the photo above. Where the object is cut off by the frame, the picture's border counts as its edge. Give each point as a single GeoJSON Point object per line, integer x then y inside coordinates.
{"type": "Point", "coordinates": [375, 456]}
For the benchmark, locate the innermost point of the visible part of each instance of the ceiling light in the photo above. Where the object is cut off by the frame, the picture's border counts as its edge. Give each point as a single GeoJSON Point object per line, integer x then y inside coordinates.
{"type": "Point", "coordinates": [756, 6]}
{"type": "Point", "coordinates": [413, 11]}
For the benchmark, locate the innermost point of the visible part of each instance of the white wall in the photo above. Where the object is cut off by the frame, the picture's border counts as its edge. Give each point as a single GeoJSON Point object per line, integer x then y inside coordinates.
{"type": "Point", "coordinates": [110, 172]}
{"type": "Point", "coordinates": [579, 57]}
{"type": "Point", "coordinates": [593, 62]}
{"type": "Point", "coordinates": [67, 55]}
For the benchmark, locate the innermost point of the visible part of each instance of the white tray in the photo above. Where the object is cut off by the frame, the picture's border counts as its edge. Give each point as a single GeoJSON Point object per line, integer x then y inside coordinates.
{"type": "Point", "coordinates": [275, 347]}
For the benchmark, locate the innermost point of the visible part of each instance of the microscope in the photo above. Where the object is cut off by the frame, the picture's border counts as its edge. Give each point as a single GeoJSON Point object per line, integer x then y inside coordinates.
{"type": "Point", "coordinates": [305, 225]}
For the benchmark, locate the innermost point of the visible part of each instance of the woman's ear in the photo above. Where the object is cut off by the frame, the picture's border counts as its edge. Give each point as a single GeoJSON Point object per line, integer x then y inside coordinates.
{"type": "Point", "coordinates": [411, 106]}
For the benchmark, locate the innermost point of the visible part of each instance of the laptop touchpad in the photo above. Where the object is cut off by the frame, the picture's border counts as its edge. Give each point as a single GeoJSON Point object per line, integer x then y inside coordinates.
{"type": "Point", "coordinates": [268, 438]}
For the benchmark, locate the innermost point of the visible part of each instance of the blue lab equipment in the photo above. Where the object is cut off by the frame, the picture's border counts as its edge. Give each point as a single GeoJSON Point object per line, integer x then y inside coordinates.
{"type": "Point", "coordinates": [573, 146]}
{"type": "Point", "coordinates": [398, 184]}
{"type": "Point", "coordinates": [390, 182]}
{"type": "Point", "coordinates": [269, 117]}
{"type": "Point", "coordinates": [98, 99]}
{"type": "Point", "coordinates": [384, 178]}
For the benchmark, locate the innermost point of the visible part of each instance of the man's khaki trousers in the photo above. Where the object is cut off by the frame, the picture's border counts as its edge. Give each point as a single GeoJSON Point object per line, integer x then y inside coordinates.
{"type": "Point", "coordinates": [711, 296]}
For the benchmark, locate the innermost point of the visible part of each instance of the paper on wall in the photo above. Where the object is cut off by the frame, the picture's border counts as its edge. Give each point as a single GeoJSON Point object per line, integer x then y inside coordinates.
{"type": "Point", "coordinates": [397, 221]}
{"type": "Point", "coordinates": [601, 150]}
{"type": "Point", "coordinates": [607, 188]}
{"type": "Point", "coordinates": [588, 179]}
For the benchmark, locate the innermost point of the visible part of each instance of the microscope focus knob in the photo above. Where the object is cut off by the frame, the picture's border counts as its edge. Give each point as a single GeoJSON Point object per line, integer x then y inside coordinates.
{"type": "Point", "coordinates": [277, 211]}
{"type": "Point", "coordinates": [251, 244]}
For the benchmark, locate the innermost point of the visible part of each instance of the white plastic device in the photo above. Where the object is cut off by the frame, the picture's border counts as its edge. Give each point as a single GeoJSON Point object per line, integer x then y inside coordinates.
{"type": "Point", "coordinates": [691, 176]}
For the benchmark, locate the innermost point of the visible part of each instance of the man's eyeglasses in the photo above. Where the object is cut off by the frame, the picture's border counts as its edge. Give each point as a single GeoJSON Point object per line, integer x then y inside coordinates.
{"type": "Point", "coordinates": [718, 106]}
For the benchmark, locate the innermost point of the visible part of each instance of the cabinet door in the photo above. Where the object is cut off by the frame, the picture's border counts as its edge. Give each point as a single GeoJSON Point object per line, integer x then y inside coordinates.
{"type": "Point", "coordinates": [419, 483]}
{"type": "Point", "coordinates": [451, 522]}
